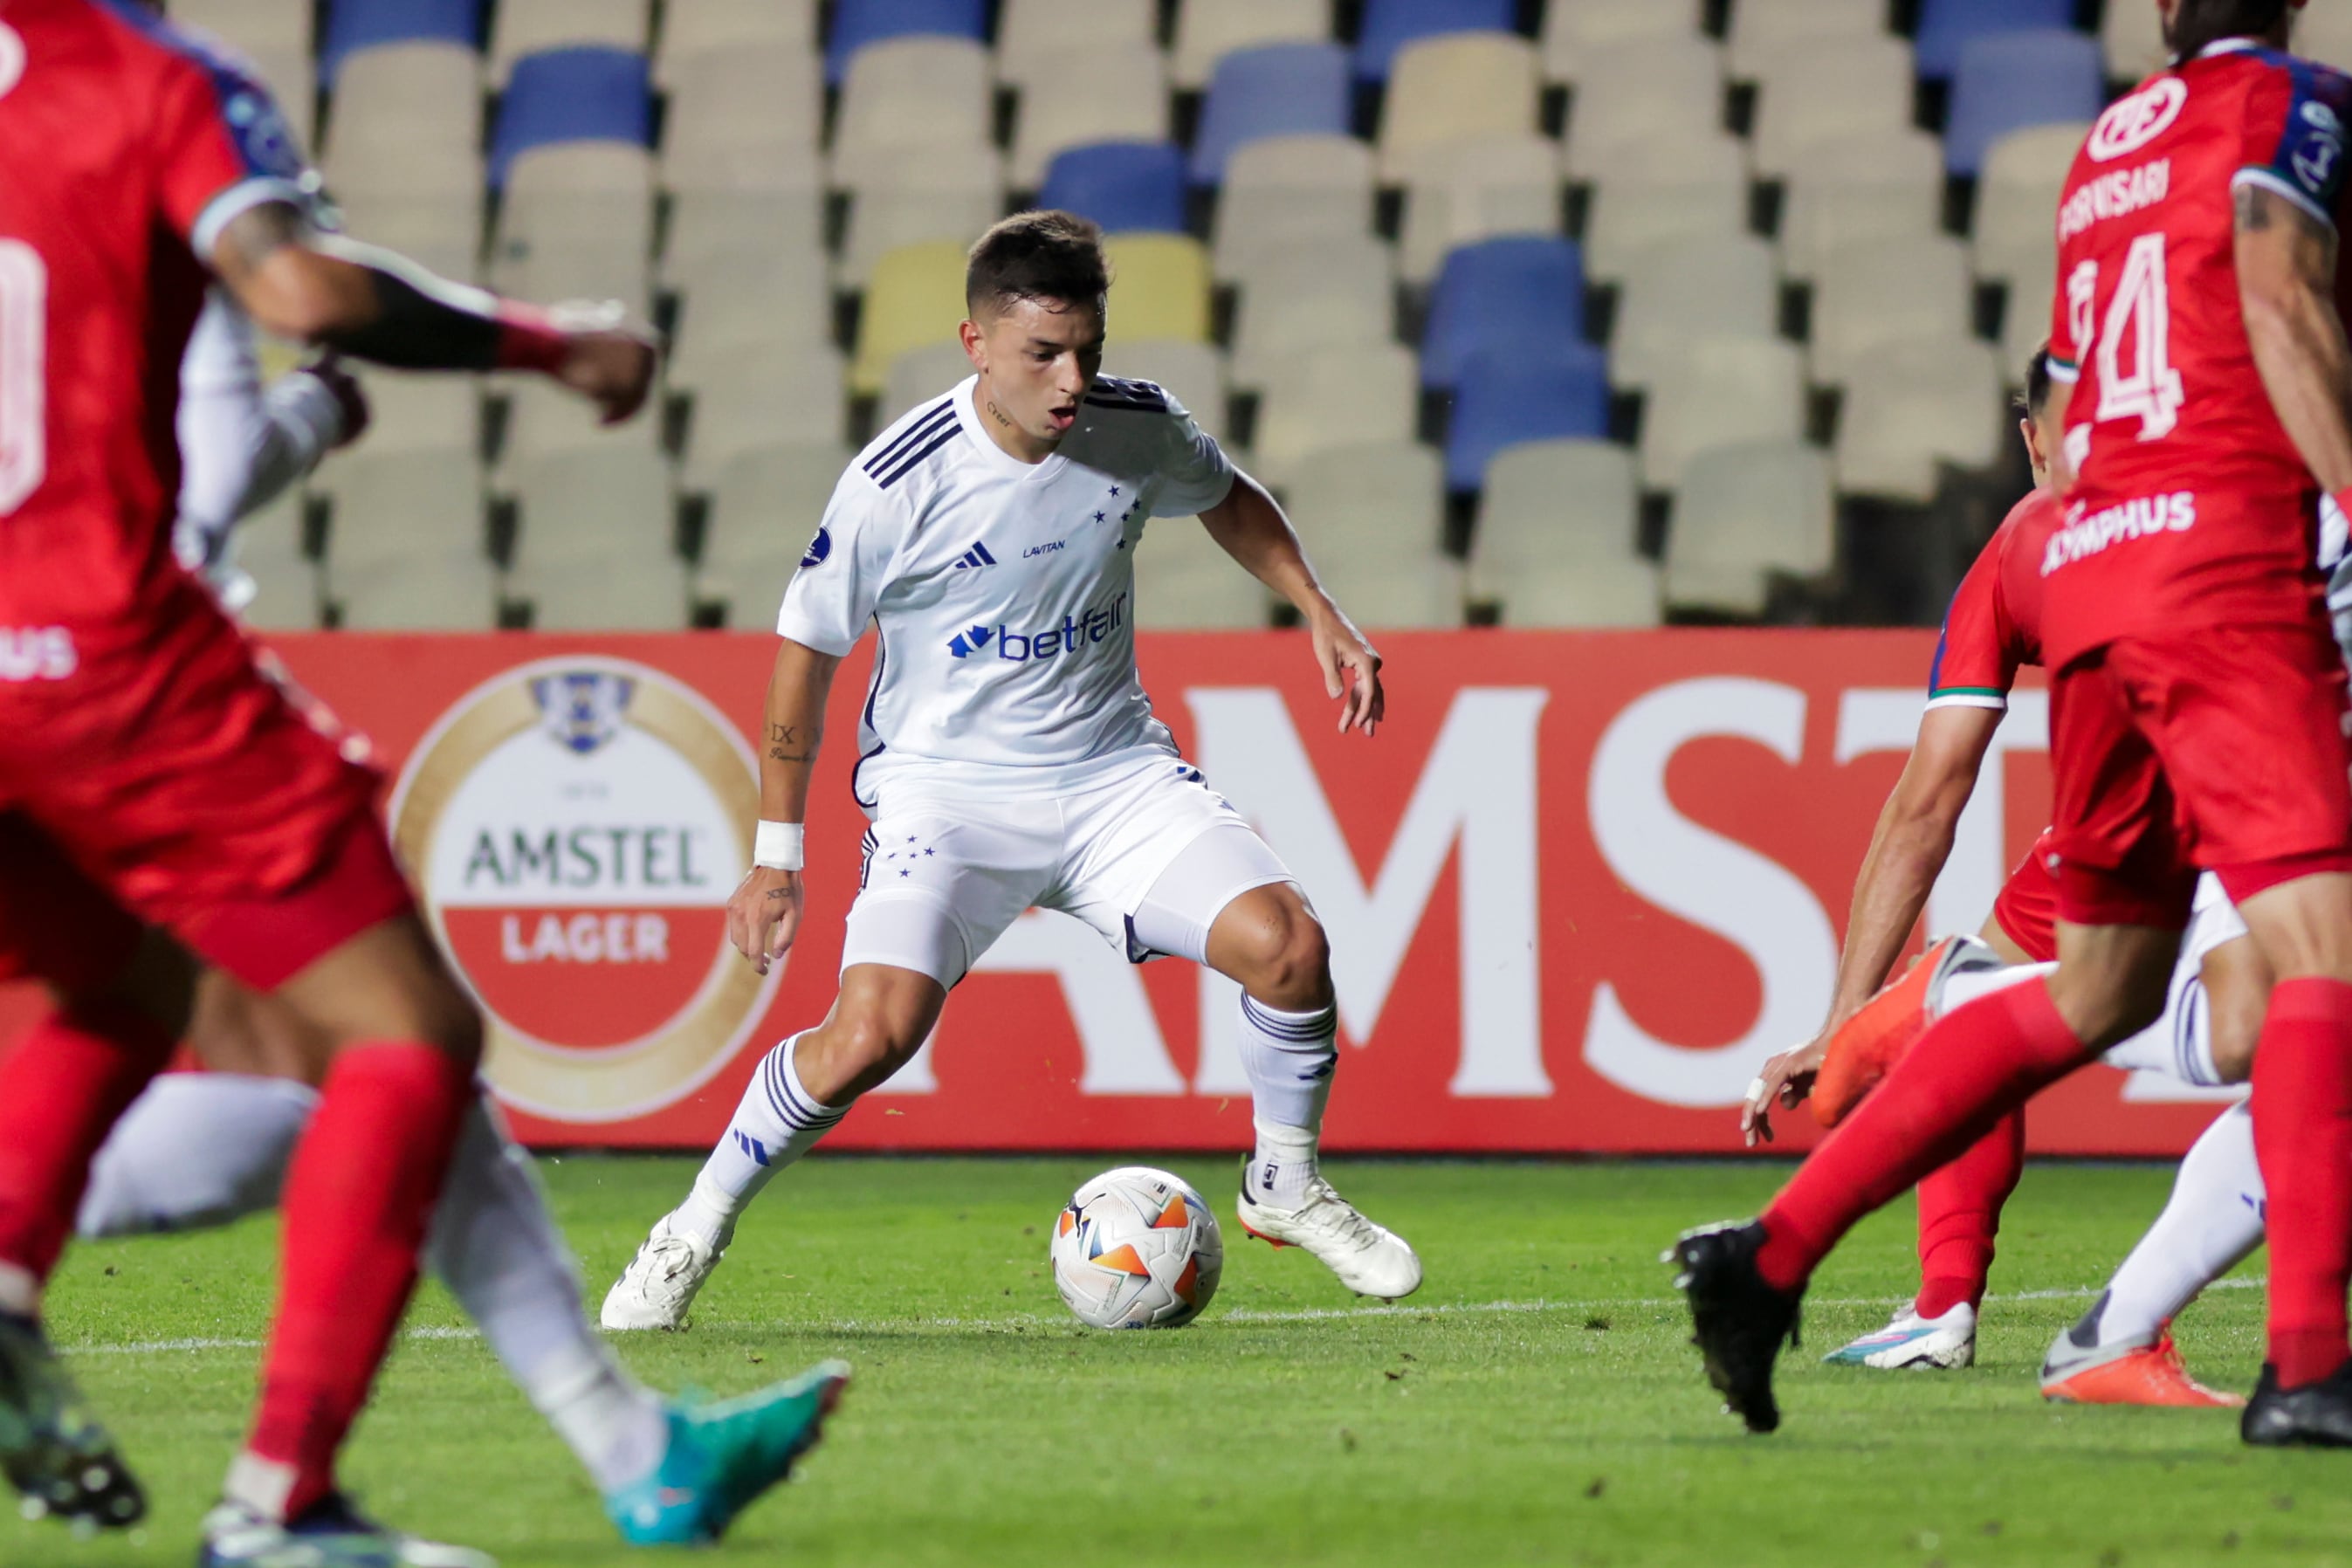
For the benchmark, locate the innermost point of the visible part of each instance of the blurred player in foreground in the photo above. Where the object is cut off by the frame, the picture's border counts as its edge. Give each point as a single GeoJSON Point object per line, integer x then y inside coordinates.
{"type": "Point", "coordinates": [2206, 1037]}
{"type": "Point", "coordinates": [2197, 702]}
{"type": "Point", "coordinates": [1010, 759]}
{"type": "Point", "coordinates": [154, 781]}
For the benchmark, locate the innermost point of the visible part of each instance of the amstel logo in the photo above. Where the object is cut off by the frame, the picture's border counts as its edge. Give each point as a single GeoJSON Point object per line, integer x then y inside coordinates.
{"type": "Point", "coordinates": [576, 826]}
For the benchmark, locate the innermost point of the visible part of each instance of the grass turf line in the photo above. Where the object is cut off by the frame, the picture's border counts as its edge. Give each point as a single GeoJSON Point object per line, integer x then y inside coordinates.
{"type": "Point", "coordinates": [1536, 1403]}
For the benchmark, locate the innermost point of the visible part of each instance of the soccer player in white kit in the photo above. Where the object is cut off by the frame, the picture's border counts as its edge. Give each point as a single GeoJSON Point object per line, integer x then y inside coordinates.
{"type": "Point", "coordinates": [1009, 756]}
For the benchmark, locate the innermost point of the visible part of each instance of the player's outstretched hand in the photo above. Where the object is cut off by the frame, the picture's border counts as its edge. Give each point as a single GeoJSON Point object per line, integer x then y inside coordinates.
{"type": "Point", "coordinates": [1788, 1078]}
{"type": "Point", "coordinates": [611, 360]}
{"type": "Point", "coordinates": [764, 915]}
{"type": "Point", "coordinates": [1351, 670]}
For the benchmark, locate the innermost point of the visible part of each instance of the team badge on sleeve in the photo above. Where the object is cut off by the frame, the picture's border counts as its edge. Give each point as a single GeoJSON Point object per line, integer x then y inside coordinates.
{"type": "Point", "coordinates": [819, 548]}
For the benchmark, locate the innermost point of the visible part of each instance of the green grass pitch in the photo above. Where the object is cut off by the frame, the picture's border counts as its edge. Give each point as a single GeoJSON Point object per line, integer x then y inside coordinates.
{"type": "Point", "coordinates": [1534, 1404]}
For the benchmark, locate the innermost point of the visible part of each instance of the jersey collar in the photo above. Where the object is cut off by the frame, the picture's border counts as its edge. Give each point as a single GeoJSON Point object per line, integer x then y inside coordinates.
{"type": "Point", "coordinates": [2230, 46]}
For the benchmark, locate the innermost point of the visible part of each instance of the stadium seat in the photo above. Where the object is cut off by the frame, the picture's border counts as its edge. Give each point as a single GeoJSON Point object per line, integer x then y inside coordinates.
{"type": "Point", "coordinates": [1463, 87]}
{"type": "Point", "coordinates": [527, 27]}
{"type": "Point", "coordinates": [1368, 515]}
{"type": "Point", "coordinates": [397, 101]}
{"type": "Point", "coordinates": [1885, 185]}
{"type": "Point", "coordinates": [756, 98]}
{"type": "Point", "coordinates": [634, 593]}
{"type": "Point", "coordinates": [358, 24]}
{"type": "Point", "coordinates": [1721, 391]}
{"type": "Point", "coordinates": [765, 505]}
{"type": "Point", "coordinates": [1508, 396]}
{"type": "Point", "coordinates": [442, 234]}
{"type": "Point", "coordinates": [1680, 294]}
{"type": "Point", "coordinates": [1390, 25]}
{"type": "Point", "coordinates": [915, 298]}
{"type": "Point", "coordinates": [1884, 292]}
{"type": "Point", "coordinates": [1283, 90]}
{"type": "Point", "coordinates": [580, 217]}
{"type": "Point", "coordinates": [1333, 292]}
{"type": "Point", "coordinates": [1813, 91]}
{"type": "Point", "coordinates": [859, 24]}
{"type": "Point", "coordinates": [779, 300]}
{"type": "Point", "coordinates": [418, 592]}
{"type": "Point", "coordinates": [1335, 396]}
{"type": "Point", "coordinates": [1192, 374]}
{"type": "Point", "coordinates": [1651, 198]}
{"type": "Point", "coordinates": [545, 423]}
{"type": "Point", "coordinates": [708, 27]}
{"type": "Point", "coordinates": [416, 416]}
{"type": "Point", "coordinates": [753, 398]}
{"type": "Point", "coordinates": [1159, 286]}
{"type": "Point", "coordinates": [583, 94]}
{"type": "Point", "coordinates": [1099, 94]}
{"type": "Point", "coordinates": [1521, 292]}
{"type": "Point", "coordinates": [1914, 405]}
{"type": "Point", "coordinates": [286, 581]}
{"type": "Point", "coordinates": [1031, 33]}
{"type": "Point", "coordinates": [911, 93]}
{"type": "Point", "coordinates": [1287, 191]}
{"type": "Point", "coordinates": [250, 25]}
{"type": "Point", "coordinates": [919, 376]}
{"type": "Point", "coordinates": [1208, 30]}
{"type": "Point", "coordinates": [2025, 323]}
{"type": "Point", "coordinates": [2017, 192]}
{"type": "Point", "coordinates": [1471, 191]}
{"type": "Point", "coordinates": [388, 505]}
{"type": "Point", "coordinates": [918, 195]}
{"type": "Point", "coordinates": [710, 230]}
{"type": "Point", "coordinates": [1555, 540]}
{"type": "Point", "coordinates": [1747, 512]}
{"type": "Point", "coordinates": [1122, 185]}
{"type": "Point", "coordinates": [2131, 38]}
{"type": "Point", "coordinates": [1947, 27]}
{"type": "Point", "coordinates": [2324, 33]}
{"type": "Point", "coordinates": [2013, 80]}
{"type": "Point", "coordinates": [1573, 30]}
{"type": "Point", "coordinates": [1184, 580]}
{"type": "Point", "coordinates": [293, 82]}
{"type": "Point", "coordinates": [579, 506]}
{"type": "Point", "coordinates": [1650, 93]}
{"type": "Point", "coordinates": [1763, 28]}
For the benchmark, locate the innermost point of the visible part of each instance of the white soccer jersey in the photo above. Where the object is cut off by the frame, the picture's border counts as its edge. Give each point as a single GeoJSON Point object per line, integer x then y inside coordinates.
{"type": "Point", "coordinates": [1003, 593]}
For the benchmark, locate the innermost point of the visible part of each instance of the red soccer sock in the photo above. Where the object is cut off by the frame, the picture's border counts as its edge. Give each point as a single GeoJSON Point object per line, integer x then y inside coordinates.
{"type": "Point", "coordinates": [2303, 1140]}
{"type": "Point", "coordinates": [1960, 1214]}
{"type": "Point", "coordinates": [359, 1194]}
{"type": "Point", "coordinates": [1972, 1068]}
{"type": "Point", "coordinates": [61, 1089]}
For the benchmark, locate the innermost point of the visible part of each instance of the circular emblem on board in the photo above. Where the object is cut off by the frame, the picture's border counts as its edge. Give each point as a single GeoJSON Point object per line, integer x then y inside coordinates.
{"type": "Point", "coordinates": [576, 825]}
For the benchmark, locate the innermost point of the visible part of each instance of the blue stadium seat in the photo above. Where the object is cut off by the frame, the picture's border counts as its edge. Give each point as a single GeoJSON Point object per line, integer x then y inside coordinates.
{"type": "Point", "coordinates": [857, 23]}
{"type": "Point", "coordinates": [2013, 80]}
{"type": "Point", "coordinates": [357, 23]}
{"type": "Point", "coordinates": [1523, 293]}
{"type": "Point", "coordinates": [1947, 25]}
{"type": "Point", "coordinates": [583, 94]}
{"type": "Point", "coordinates": [1284, 89]}
{"type": "Point", "coordinates": [1390, 25]}
{"type": "Point", "coordinates": [1509, 395]}
{"type": "Point", "coordinates": [1123, 185]}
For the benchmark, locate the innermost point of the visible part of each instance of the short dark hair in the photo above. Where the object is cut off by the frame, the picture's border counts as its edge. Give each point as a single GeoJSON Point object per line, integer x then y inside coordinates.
{"type": "Point", "coordinates": [2037, 384]}
{"type": "Point", "coordinates": [1055, 256]}
{"type": "Point", "coordinates": [2201, 22]}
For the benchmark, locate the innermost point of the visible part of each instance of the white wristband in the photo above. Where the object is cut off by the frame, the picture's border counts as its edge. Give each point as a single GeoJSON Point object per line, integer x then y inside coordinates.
{"type": "Point", "coordinates": [777, 846]}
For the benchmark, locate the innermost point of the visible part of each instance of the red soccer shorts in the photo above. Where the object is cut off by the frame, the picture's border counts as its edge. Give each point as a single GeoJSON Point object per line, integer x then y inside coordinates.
{"type": "Point", "coordinates": [2027, 907]}
{"type": "Point", "coordinates": [172, 782]}
{"type": "Point", "coordinates": [2223, 749]}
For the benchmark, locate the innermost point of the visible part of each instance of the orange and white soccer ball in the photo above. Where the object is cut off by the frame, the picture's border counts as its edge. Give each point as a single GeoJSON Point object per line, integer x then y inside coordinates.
{"type": "Point", "coordinates": [1137, 1248]}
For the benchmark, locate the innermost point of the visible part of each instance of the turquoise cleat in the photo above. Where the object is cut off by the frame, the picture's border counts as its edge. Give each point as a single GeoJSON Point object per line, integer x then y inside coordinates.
{"type": "Point", "coordinates": [721, 1456]}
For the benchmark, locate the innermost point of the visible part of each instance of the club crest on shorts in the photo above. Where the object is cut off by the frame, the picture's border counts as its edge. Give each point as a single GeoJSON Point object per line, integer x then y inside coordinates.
{"type": "Point", "coordinates": [576, 825]}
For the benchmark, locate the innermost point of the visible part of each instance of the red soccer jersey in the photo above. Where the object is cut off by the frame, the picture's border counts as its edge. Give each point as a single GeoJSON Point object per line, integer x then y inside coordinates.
{"type": "Point", "coordinates": [2192, 507]}
{"type": "Point", "coordinates": [128, 147]}
{"type": "Point", "coordinates": [1994, 626]}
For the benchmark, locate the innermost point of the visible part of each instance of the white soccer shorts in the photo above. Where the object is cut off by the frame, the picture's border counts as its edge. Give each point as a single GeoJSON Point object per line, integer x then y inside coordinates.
{"type": "Point", "coordinates": [1142, 851]}
{"type": "Point", "coordinates": [2180, 1045]}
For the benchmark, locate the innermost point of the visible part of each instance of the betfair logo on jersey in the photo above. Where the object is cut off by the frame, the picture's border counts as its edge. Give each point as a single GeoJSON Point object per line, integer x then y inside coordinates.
{"type": "Point", "coordinates": [1051, 642]}
{"type": "Point", "coordinates": [2143, 517]}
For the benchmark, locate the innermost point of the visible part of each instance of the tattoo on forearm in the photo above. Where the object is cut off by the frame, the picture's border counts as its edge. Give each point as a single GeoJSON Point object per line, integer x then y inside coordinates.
{"type": "Point", "coordinates": [257, 233]}
{"type": "Point", "coordinates": [783, 754]}
{"type": "Point", "coordinates": [2253, 209]}
{"type": "Point", "coordinates": [794, 743]}
{"type": "Point", "coordinates": [777, 895]}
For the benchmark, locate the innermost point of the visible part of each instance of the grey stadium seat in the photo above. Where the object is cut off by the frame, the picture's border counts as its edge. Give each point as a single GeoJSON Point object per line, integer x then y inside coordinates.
{"type": "Point", "coordinates": [1721, 391]}
{"type": "Point", "coordinates": [1286, 191]}
{"type": "Point", "coordinates": [920, 92]}
{"type": "Point", "coordinates": [1887, 291]}
{"type": "Point", "coordinates": [1852, 191]}
{"type": "Point", "coordinates": [1208, 30]}
{"type": "Point", "coordinates": [1186, 582]}
{"type": "Point", "coordinates": [1455, 87]}
{"type": "Point", "coordinates": [1914, 405]}
{"type": "Point", "coordinates": [1812, 91]}
{"type": "Point", "coordinates": [703, 27]}
{"type": "Point", "coordinates": [1333, 397]}
{"type": "Point", "coordinates": [1653, 197]}
{"type": "Point", "coordinates": [1654, 92]}
{"type": "Point", "coordinates": [1745, 513]}
{"type": "Point", "coordinates": [1334, 292]}
{"type": "Point", "coordinates": [525, 27]}
{"type": "Point", "coordinates": [765, 505]}
{"type": "Point", "coordinates": [1575, 31]}
{"type": "Point", "coordinates": [1030, 34]}
{"type": "Point", "coordinates": [756, 397]}
{"type": "Point", "coordinates": [1681, 293]}
{"type": "Point", "coordinates": [1555, 541]}
{"type": "Point", "coordinates": [1468, 191]}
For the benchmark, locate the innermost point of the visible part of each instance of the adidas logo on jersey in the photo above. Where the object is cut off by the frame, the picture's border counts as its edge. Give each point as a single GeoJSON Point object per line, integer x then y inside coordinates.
{"type": "Point", "coordinates": [976, 556]}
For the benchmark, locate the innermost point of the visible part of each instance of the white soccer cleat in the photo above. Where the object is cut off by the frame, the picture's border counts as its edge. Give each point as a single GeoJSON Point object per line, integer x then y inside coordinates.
{"type": "Point", "coordinates": [661, 1281]}
{"type": "Point", "coordinates": [1945, 1343]}
{"type": "Point", "coordinates": [1370, 1258]}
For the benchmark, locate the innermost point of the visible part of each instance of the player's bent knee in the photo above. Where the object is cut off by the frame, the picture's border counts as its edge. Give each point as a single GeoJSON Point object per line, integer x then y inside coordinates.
{"type": "Point", "coordinates": [1271, 942]}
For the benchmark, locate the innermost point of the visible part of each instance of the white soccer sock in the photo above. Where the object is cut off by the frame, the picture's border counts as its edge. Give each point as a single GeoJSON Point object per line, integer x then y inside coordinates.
{"type": "Point", "coordinates": [194, 1150]}
{"type": "Point", "coordinates": [776, 1123]}
{"type": "Point", "coordinates": [1974, 984]}
{"type": "Point", "coordinates": [2213, 1219]}
{"type": "Point", "coordinates": [495, 1246]}
{"type": "Point", "coordinates": [1289, 1057]}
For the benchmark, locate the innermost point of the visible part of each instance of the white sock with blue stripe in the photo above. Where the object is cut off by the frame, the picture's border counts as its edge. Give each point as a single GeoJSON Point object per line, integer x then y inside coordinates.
{"type": "Point", "coordinates": [1289, 1057]}
{"type": "Point", "coordinates": [777, 1122]}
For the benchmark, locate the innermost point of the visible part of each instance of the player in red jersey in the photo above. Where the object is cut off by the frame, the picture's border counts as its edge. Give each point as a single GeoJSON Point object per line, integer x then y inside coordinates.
{"type": "Point", "coordinates": [159, 797]}
{"type": "Point", "coordinates": [2197, 704]}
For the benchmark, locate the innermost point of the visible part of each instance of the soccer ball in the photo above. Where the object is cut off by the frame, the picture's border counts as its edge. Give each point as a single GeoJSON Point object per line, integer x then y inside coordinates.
{"type": "Point", "coordinates": [1137, 1248]}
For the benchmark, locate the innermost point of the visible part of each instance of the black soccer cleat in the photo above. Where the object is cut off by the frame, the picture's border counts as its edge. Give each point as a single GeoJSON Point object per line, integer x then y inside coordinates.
{"type": "Point", "coordinates": [1739, 1322]}
{"type": "Point", "coordinates": [2316, 1415]}
{"type": "Point", "coordinates": [53, 1451]}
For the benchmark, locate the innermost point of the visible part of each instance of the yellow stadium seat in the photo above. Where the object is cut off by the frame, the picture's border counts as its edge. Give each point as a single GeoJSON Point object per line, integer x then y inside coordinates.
{"type": "Point", "coordinates": [1160, 287]}
{"type": "Point", "coordinates": [915, 300]}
